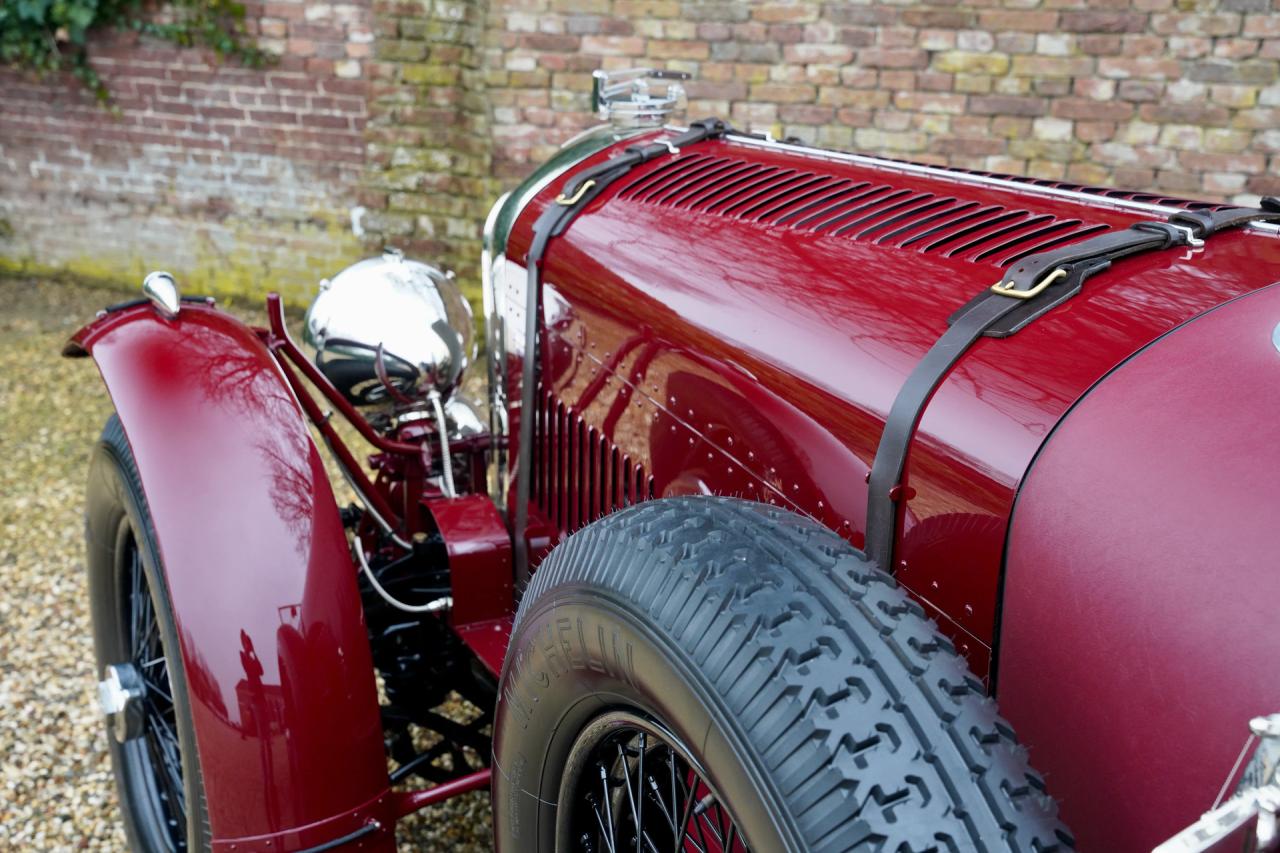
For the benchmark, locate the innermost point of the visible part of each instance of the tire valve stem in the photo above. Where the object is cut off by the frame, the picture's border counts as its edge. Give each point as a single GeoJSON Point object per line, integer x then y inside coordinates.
{"type": "Point", "coordinates": [704, 804]}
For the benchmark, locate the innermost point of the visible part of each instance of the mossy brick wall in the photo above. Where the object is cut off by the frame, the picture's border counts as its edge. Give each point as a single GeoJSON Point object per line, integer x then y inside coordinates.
{"type": "Point", "coordinates": [237, 180]}
{"type": "Point", "coordinates": [415, 114]}
{"type": "Point", "coordinates": [1180, 95]}
{"type": "Point", "coordinates": [427, 186]}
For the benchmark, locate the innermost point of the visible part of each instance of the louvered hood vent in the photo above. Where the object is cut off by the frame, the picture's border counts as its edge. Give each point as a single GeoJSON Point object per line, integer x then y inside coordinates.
{"type": "Point", "coordinates": [858, 210]}
{"type": "Point", "coordinates": [579, 475]}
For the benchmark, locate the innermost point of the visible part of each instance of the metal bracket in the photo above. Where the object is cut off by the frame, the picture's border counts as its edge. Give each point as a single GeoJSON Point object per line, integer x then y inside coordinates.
{"type": "Point", "coordinates": [570, 201]}
{"type": "Point", "coordinates": [1262, 800]}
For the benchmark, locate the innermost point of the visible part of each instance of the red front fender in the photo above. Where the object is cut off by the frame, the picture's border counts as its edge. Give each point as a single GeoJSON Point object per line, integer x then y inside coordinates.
{"type": "Point", "coordinates": [272, 630]}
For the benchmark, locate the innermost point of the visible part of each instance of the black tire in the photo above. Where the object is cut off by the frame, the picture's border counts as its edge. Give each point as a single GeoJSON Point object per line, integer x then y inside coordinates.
{"type": "Point", "coordinates": [824, 707]}
{"type": "Point", "coordinates": [121, 542]}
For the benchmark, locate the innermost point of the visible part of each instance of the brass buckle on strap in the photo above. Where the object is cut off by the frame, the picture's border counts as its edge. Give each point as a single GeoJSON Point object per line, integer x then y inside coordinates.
{"type": "Point", "coordinates": [577, 196]}
{"type": "Point", "coordinates": [1009, 288]}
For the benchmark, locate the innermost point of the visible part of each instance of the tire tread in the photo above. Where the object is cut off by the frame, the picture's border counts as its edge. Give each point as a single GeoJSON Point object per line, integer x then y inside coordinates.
{"type": "Point", "coordinates": [831, 671]}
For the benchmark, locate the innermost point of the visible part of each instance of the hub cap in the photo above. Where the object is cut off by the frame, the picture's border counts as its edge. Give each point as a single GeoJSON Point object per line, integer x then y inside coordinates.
{"type": "Point", "coordinates": [121, 695]}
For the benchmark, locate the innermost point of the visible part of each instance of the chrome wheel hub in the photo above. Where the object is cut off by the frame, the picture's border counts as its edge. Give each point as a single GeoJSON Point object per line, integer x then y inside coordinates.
{"type": "Point", "coordinates": [120, 696]}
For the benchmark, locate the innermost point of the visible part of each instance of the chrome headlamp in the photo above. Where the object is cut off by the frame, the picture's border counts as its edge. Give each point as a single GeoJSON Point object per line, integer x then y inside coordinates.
{"type": "Point", "coordinates": [390, 331]}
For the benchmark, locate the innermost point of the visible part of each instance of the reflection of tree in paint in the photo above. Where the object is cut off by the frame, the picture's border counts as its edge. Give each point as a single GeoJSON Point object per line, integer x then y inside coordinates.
{"type": "Point", "coordinates": [239, 379]}
{"type": "Point", "coordinates": [234, 374]}
{"type": "Point", "coordinates": [290, 659]}
{"type": "Point", "coordinates": [291, 485]}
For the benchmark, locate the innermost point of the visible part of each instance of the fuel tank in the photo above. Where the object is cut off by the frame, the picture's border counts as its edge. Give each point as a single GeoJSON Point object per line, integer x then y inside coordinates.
{"type": "Point", "coordinates": [1138, 627]}
{"type": "Point", "coordinates": [736, 318]}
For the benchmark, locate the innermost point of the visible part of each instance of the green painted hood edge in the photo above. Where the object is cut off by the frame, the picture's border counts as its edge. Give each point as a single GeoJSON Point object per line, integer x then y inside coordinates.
{"type": "Point", "coordinates": [576, 150]}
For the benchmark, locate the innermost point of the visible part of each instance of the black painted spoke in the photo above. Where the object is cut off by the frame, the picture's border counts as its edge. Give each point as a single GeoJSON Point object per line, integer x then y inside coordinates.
{"type": "Point", "coordinates": [604, 829]}
{"type": "Point", "coordinates": [169, 781]}
{"type": "Point", "coordinates": [156, 750]}
{"type": "Point", "coordinates": [155, 688]}
{"type": "Point", "coordinates": [608, 811]}
{"type": "Point", "coordinates": [675, 807]}
{"type": "Point", "coordinates": [626, 781]}
{"type": "Point", "coordinates": [136, 624]}
{"type": "Point", "coordinates": [639, 796]}
{"type": "Point", "coordinates": [684, 835]}
{"type": "Point", "coordinates": [705, 806]}
{"type": "Point", "coordinates": [160, 718]}
{"type": "Point", "coordinates": [151, 640]}
{"type": "Point", "coordinates": [657, 796]}
{"type": "Point", "coordinates": [688, 814]}
{"type": "Point", "coordinates": [172, 762]}
{"type": "Point", "coordinates": [703, 820]}
{"type": "Point", "coordinates": [637, 789]}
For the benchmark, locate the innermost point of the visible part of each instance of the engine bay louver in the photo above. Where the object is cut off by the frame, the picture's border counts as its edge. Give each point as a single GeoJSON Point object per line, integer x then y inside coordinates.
{"type": "Point", "coordinates": [579, 475]}
{"type": "Point", "coordinates": [828, 206]}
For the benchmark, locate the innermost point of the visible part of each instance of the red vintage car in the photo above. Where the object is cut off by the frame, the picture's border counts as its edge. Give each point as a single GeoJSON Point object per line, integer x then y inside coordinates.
{"type": "Point", "coordinates": [796, 463]}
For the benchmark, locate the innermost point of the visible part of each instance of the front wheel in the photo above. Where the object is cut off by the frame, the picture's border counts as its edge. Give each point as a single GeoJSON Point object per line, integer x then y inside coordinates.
{"type": "Point", "coordinates": [707, 674]}
{"type": "Point", "coordinates": [143, 684]}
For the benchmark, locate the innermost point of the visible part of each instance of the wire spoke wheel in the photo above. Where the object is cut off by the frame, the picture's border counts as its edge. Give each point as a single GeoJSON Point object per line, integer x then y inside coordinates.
{"type": "Point", "coordinates": [142, 686]}
{"type": "Point", "coordinates": [631, 785]}
{"type": "Point", "coordinates": [153, 759]}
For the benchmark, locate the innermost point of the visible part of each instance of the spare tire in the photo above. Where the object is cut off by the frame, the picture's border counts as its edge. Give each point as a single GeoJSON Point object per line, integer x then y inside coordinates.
{"type": "Point", "coordinates": [725, 675]}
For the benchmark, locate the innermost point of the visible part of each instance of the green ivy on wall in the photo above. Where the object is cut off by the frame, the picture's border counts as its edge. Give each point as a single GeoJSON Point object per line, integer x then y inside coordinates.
{"type": "Point", "coordinates": [51, 35]}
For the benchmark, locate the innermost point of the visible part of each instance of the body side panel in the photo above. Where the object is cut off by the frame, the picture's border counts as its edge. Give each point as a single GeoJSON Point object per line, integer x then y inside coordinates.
{"type": "Point", "coordinates": [1138, 630]}
{"type": "Point", "coordinates": [792, 344]}
{"type": "Point", "coordinates": [257, 564]}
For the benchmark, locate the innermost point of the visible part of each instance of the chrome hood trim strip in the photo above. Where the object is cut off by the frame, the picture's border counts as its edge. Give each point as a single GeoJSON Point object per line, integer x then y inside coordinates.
{"type": "Point", "coordinates": [970, 178]}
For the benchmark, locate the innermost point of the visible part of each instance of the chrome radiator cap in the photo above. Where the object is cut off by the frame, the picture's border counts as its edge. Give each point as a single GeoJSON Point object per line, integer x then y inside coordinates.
{"type": "Point", "coordinates": [389, 331]}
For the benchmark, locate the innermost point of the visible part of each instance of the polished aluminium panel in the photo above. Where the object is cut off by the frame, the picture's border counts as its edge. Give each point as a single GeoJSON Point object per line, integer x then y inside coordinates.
{"type": "Point", "coordinates": [495, 350]}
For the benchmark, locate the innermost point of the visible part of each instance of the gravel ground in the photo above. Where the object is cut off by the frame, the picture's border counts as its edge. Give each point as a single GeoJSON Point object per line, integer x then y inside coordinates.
{"type": "Point", "coordinates": [56, 788]}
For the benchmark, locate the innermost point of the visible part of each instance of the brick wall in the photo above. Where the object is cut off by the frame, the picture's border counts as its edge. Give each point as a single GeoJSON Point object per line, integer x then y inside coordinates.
{"type": "Point", "coordinates": [417, 112]}
{"type": "Point", "coordinates": [428, 186]}
{"type": "Point", "coordinates": [235, 179]}
{"type": "Point", "coordinates": [1181, 95]}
